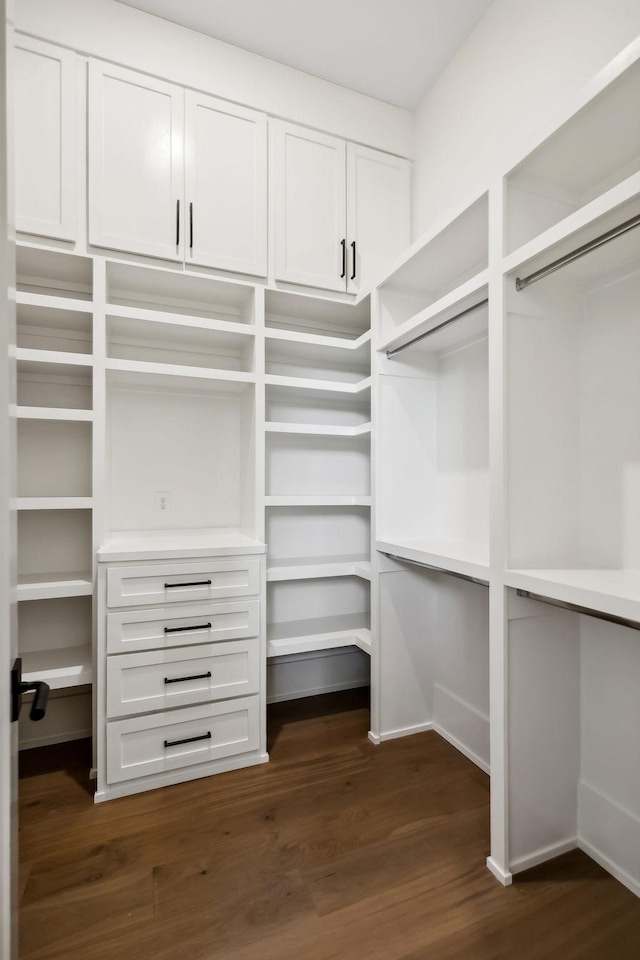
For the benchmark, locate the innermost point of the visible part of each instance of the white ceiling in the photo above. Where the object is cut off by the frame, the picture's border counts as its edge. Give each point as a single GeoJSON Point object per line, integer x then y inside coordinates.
{"type": "Point", "coordinates": [389, 49]}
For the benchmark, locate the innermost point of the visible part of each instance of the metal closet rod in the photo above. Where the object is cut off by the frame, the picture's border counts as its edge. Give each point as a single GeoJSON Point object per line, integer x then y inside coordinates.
{"type": "Point", "coordinates": [441, 326]}
{"type": "Point", "coordinates": [582, 251]}
{"type": "Point", "coordinates": [576, 608]}
{"type": "Point", "coordinates": [428, 566]}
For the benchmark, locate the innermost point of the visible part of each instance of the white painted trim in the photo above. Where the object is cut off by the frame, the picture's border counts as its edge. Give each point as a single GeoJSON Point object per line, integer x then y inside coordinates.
{"type": "Point", "coordinates": [505, 878]}
{"type": "Point", "coordinates": [317, 691]}
{"type": "Point", "coordinates": [403, 732]}
{"type": "Point", "coordinates": [609, 865]}
{"type": "Point", "coordinates": [469, 754]}
{"type": "Point", "coordinates": [543, 854]}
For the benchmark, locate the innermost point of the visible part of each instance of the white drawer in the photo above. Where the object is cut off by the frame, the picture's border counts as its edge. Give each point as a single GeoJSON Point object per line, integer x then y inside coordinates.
{"type": "Point", "coordinates": [176, 626]}
{"type": "Point", "coordinates": [142, 746]}
{"type": "Point", "coordinates": [161, 679]}
{"type": "Point", "coordinates": [180, 582]}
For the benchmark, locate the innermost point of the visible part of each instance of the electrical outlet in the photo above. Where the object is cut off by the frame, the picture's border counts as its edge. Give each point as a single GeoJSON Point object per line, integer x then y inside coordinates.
{"type": "Point", "coordinates": [162, 501]}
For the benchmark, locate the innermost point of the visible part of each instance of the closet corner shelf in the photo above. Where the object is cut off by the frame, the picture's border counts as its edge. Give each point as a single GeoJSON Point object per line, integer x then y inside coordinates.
{"type": "Point", "coordinates": [318, 568]}
{"type": "Point", "coordinates": [53, 413]}
{"type": "Point", "coordinates": [575, 228]}
{"type": "Point", "coordinates": [177, 544]}
{"type": "Point", "coordinates": [61, 668]}
{"type": "Point", "coordinates": [54, 503]}
{"type": "Point", "coordinates": [30, 355]}
{"type": "Point", "coordinates": [612, 591]}
{"type": "Point", "coordinates": [359, 637]}
{"type": "Point", "coordinates": [317, 339]}
{"type": "Point", "coordinates": [318, 429]}
{"type": "Point", "coordinates": [308, 383]}
{"type": "Point", "coordinates": [179, 319]}
{"type": "Point", "coordinates": [459, 299]}
{"type": "Point", "coordinates": [465, 558]}
{"type": "Point", "coordinates": [30, 299]}
{"type": "Point", "coordinates": [177, 370]}
{"type": "Point", "coordinates": [49, 586]}
{"type": "Point", "coordinates": [319, 501]}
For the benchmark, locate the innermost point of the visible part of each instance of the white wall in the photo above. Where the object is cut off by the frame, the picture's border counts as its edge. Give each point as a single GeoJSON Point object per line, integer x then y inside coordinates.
{"type": "Point", "coordinates": [121, 34]}
{"type": "Point", "coordinates": [524, 61]}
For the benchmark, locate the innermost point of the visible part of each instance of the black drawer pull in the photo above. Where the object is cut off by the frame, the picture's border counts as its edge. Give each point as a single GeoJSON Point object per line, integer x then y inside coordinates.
{"type": "Point", "coordinates": [194, 583]}
{"type": "Point", "coordinates": [197, 676]}
{"type": "Point", "coordinates": [176, 743]}
{"type": "Point", "coordinates": [343, 244]}
{"type": "Point", "coordinates": [196, 626]}
{"type": "Point", "coordinates": [353, 248]}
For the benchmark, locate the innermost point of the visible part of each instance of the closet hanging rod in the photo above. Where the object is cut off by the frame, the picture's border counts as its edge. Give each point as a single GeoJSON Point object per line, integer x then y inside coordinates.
{"type": "Point", "coordinates": [576, 608]}
{"type": "Point", "coordinates": [441, 326]}
{"type": "Point", "coordinates": [428, 566]}
{"type": "Point", "coordinates": [600, 241]}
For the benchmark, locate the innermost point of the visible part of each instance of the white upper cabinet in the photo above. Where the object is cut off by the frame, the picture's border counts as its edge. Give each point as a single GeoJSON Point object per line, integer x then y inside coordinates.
{"type": "Point", "coordinates": [342, 211]}
{"type": "Point", "coordinates": [45, 139]}
{"type": "Point", "coordinates": [310, 207]}
{"type": "Point", "coordinates": [135, 162]}
{"type": "Point", "coordinates": [378, 213]}
{"type": "Point", "coordinates": [225, 185]}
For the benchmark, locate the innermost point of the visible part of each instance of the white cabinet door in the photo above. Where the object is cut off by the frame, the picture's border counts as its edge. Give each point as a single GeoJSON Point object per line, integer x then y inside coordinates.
{"type": "Point", "coordinates": [378, 214]}
{"type": "Point", "coordinates": [45, 139]}
{"type": "Point", "coordinates": [226, 185]}
{"type": "Point", "coordinates": [310, 207]}
{"type": "Point", "coordinates": [135, 162]}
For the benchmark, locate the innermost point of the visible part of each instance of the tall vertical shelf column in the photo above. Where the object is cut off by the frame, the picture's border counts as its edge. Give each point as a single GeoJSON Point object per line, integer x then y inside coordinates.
{"type": "Point", "coordinates": [55, 420]}
{"type": "Point", "coordinates": [318, 493]}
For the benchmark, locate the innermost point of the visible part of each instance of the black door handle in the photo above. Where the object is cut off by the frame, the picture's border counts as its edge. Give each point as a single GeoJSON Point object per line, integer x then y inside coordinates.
{"type": "Point", "coordinates": [353, 248]}
{"type": "Point", "coordinates": [177, 223]}
{"type": "Point", "coordinates": [343, 244]}
{"type": "Point", "coordinates": [18, 687]}
{"type": "Point", "coordinates": [190, 226]}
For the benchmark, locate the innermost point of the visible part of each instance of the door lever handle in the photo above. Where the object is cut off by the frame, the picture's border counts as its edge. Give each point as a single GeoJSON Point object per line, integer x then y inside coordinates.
{"type": "Point", "coordinates": [19, 687]}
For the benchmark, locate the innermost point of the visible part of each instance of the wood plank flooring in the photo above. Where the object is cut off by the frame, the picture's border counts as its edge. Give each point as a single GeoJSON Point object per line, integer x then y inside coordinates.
{"type": "Point", "coordinates": [336, 850]}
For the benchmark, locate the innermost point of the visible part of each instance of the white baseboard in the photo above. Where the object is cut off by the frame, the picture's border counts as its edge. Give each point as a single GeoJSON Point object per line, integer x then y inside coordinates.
{"type": "Point", "coordinates": [52, 738]}
{"type": "Point", "coordinates": [462, 748]}
{"type": "Point", "coordinates": [401, 732]}
{"type": "Point", "coordinates": [505, 878]}
{"type": "Point", "coordinates": [610, 835]}
{"type": "Point", "coordinates": [316, 691]}
{"type": "Point", "coordinates": [543, 854]}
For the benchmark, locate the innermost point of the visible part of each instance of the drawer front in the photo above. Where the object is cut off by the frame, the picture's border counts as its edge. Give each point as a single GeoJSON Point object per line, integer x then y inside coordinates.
{"type": "Point", "coordinates": [140, 682]}
{"type": "Point", "coordinates": [181, 582]}
{"type": "Point", "coordinates": [180, 626]}
{"type": "Point", "coordinates": [143, 746]}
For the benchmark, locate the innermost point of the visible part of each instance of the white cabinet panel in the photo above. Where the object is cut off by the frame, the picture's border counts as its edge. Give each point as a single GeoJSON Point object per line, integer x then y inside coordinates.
{"type": "Point", "coordinates": [310, 207]}
{"type": "Point", "coordinates": [177, 582]}
{"type": "Point", "coordinates": [160, 627]}
{"type": "Point", "coordinates": [135, 162]}
{"type": "Point", "coordinates": [226, 185]}
{"type": "Point", "coordinates": [45, 139]}
{"type": "Point", "coordinates": [378, 213]}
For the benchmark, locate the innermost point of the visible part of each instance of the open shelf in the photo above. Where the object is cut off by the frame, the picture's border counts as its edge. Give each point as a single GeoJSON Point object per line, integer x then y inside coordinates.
{"type": "Point", "coordinates": [287, 407]}
{"type": "Point", "coordinates": [54, 503]}
{"type": "Point", "coordinates": [50, 544]}
{"type": "Point", "coordinates": [614, 592]}
{"type": "Point", "coordinates": [143, 367]}
{"type": "Point", "coordinates": [597, 149]}
{"type": "Point", "coordinates": [573, 397]}
{"type": "Point", "coordinates": [181, 544]}
{"type": "Point", "coordinates": [324, 362]}
{"type": "Point", "coordinates": [53, 273]}
{"type": "Point", "coordinates": [53, 458]}
{"type": "Point", "coordinates": [319, 501]}
{"type": "Point", "coordinates": [310, 568]}
{"type": "Point", "coordinates": [321, 633]}
{"type": "Point", "coordinates": [186, 294]}
{"type": "Point", "coordinates": [303, 313]}
{"type": "Point", "coordinates": [317, 465]}
{"type": "Point", "coordinates": [65, 667]}
{"type": "Point", "coordinates": [318, 429]}
{"type": "Point", "coordinates": [54, 413]}
{"type": "Point", "coordinates": [467, 559]}
{"type": "Point", "coordinates": [40, 586]}
{"type": "Point", "coordinates": [52, 640]}
{"type": "Point", "coordinates": [56, 328]}
{"type": "Point", "coordinates": [449, 257]}
{"type": "Point", "coordinates": [335, 388]}
{"type": "Point", "coordinates": [63, 390]}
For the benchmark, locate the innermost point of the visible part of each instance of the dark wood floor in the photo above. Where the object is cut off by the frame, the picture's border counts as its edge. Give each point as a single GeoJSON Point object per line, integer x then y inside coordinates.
{"type": "Point", "coordinates": [336, 850]}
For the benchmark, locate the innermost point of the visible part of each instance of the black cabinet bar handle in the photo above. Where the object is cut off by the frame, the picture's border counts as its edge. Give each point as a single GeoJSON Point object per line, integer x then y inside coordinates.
{"type": "Point", "coordinates": [176, 743]}
{"type": "Point", "coordinates": [190, 226]}
{"type": "Point", "coordinates": [194, 583]}
{"type": "Point", "coordinates": [197, 676]}
{"type": "Point", "coordinates": [343, 244]}
{"type": "Point", "coordinates": [177, 223]}
{"type": "Point", "coordinates": [353, 248]}
{"type": "Point", "coordinates": [196, 626]}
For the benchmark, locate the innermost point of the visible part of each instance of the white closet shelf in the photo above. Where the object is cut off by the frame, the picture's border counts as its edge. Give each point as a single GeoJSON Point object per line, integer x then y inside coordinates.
{"type": "Point", "coordinates": [461, 298]}
{"type": "Point", "coordinates": [308, 383]}
{"type": "Point", "coordinates": [50, 586]}
{"type": "Point", "coordinates": [354, 500]}
{"type": "Point", "coordinates": [466, 558]}
{"type": "Point", "coordinates": [310, 568]}
{"type": "Point", "coordinates": [55, 357]}
{"type": "Point", "coordinates": [178, 544]}
{"type": "Point", "coordinates": [54, 503]}
{"type": "Point", "coordinates": [60, 668]}
{"type": "Point", "coordinates": [179, 319]}
{"type": "Point", "coordinates": [318, 340]}
{"type": "Point", "coordinates": [611, 591]}
{"type": "Point", "coordinates": [30, 299]}
{"type": "Point", "coordinates": [320, 430]}
{"type": "Point", "coordinates": [175, 370]}
{"type": "Point", "coordinates": [53, 413]}
{"type": "Point", "coordinates": [323, 633]}
{"type": "Point", "coordinates": [606, 211]}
